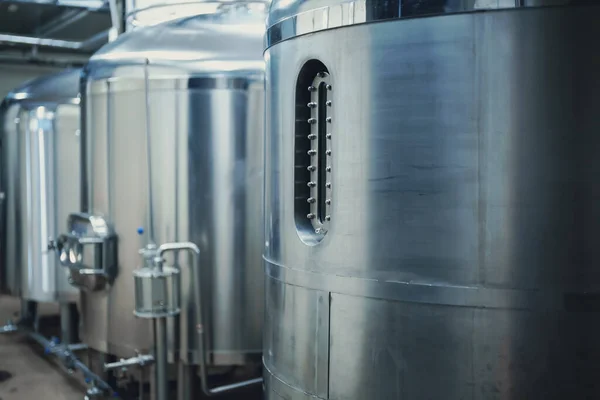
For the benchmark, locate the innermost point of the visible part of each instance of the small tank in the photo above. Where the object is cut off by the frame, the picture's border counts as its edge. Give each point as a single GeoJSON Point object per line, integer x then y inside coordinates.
{"type": "Point", "coordinates": [432, 199]}
{"type": "Point", "coordinates": [39, 187]}
{"type": "Point", "coordinates": [40, 183]}
{"type": "Point", "coordinates": [173, 152]}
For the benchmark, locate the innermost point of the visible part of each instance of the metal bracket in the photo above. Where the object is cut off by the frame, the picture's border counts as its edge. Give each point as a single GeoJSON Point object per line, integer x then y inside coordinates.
{"type": "Point", "coordinates": [9, 327]}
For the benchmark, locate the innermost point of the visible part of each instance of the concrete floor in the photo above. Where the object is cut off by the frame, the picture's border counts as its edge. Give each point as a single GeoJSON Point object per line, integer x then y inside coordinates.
{"type": "Point", "coordinates": [24, 373]}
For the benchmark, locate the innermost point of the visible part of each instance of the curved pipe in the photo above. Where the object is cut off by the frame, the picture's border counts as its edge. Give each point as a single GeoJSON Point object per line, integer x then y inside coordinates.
{"type": "Point", "coordinates": [195, 272]}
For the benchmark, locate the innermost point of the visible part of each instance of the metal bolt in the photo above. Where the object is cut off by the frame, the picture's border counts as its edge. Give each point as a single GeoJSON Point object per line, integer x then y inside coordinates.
{"type": "Point", "coordinates": [328, 218]}
{"type": "Point", "coordinates": [312, 152]}
{"type": "Point", "coordinates": [328, 169]}
{"type": "Point", "coordinates": [311, 184]}
{"type": "Point", "coordinates": [311, 200]}
{"type": "Point", "coordinates": [328, 152]}
{"type": "Point", "coordinates": [328, 119]}
{"type": "Point", "coordinates": [312, 104]}
{"type": "Point", "coordinates": [312, 88]}
{"type": "Point", "coordinates": [312, 121]}
{"type": "Point", "coordinates": [310, 216]}
{"type": "Point", "coordinates": [328, 184]}
{"type": "Point", "coordinates": [311, 168]}
{"type": "Point", "coordinates": [312, 136]}
{"type": "Point", "coordinates": [328, 202]}
{"type": "Point", "coordinates": [328, 136]}
{"type": "Point", "coordinates": [328, 87]}
{"type": "Point", "coordinates": [318, 231]}
{"type": "Point", "coordinates": [328, 103]}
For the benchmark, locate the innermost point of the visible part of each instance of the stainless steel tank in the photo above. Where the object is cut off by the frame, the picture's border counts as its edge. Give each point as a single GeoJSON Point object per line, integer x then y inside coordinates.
{"type": "Point", "coordinates": [140, 13]}
{"type": "Point", "coordinates": [432, 200]}
{"type": "Point", "coordinates": [40, 183]}
{"type": "Point", "coordinates": [173, 128]}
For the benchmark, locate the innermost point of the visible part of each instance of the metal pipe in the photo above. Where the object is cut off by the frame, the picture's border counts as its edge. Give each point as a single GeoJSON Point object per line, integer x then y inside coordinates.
{"type": "Point", "coordinates": [93, 5]}
{"type": "Point", "coordinates": [115, 19]}
{"type": "Point", "coordinates": [54, 43]}
{"type": "Point", "coordinates": [141, 360]}
{"type": "Point", "coordinates": [28, 314]}
{"type": "Point", "coordinates": [141, 384]}
{"type": "Point", "coordinates": [70, 360]}
{"type": "Point", "coordinates": [162, 378]}
{"type": "Point", "coordinates": [77, 347]}
{"type": "Point", "coordinates": [150, 217]}
{"type": "Point", "coordinates": [197, 291]}
{"type": "Point", "coordinates": [95, 42]}
{"type": "Point", "coordinates": [34, 41]}
{"type": "Point", "coordinates": [61, 22]}
{"type": "Point", "coordinates": [50, 62]}
{"type": "Point", "coordinates": [234, 386]}
{"type": "Point", "coordinates": [185, 382]}
{"type": "Point", "coordinates": [66, 323]}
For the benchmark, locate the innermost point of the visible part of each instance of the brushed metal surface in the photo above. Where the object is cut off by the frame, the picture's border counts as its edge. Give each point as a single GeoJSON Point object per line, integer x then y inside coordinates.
{"type": "Point", "coordinates": [204, 79]}
{"type": "Point", "coordinates": [297, 335]}
{"type": "Point", "coordinates": [40, 182]}
{"type": "Point", "coordinates": [461, 259]}
{"type": "Point", "coordinates": [140, 13]}
{"type": "Point", "coordinates": [290, 18]}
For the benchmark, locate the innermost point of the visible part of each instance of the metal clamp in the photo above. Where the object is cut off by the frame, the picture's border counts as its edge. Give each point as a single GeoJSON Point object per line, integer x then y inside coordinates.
{"type": "Point", "coordinates": [9, 327]}
{"type": "Point", "coordinates": [91, 231]}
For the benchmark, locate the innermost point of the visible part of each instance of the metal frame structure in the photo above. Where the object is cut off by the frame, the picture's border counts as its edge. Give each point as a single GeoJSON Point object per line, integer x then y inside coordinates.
{"type": "Point", "coordinates": [41, 45]}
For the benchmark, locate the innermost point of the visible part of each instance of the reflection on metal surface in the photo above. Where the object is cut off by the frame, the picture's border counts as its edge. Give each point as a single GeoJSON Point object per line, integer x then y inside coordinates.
{"type": "Point", "coordinates": [290, 18]}
{"type": "Point", "coordinates": [140, 13]}
{"type": "Point", "coordinates": [198, 84]}
{"type": "Point", "coordinates": [88, 236]}
{"type": "Point", "coordinates": [40, 175]}
{"type": "Point", "coordinates": [463, 244]}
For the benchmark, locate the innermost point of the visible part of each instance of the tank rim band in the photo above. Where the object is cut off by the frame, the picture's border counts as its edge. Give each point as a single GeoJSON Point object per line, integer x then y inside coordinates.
{"type": "Point", "coordinates": [557, 299]}
{"type": "Point", "coordinates": [358, 12]}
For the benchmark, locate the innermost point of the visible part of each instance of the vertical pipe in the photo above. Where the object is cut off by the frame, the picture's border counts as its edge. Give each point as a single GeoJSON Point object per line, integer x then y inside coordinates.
{"type": "Point", "coordinates": [162, 380]}
{"type": "Point", "coordinates": [141, 383]}
{"type": "Point", "coordinates": [186, 382]}
{"type": "Point", "coordinates": [29, 313]}
{"type": "Point", "coordinates": [150, 216]}
{"type": "Point", "coordinates": [66, 324]}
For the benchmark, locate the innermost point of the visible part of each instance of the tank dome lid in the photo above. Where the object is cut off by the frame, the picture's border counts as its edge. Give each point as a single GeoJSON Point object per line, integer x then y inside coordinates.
{"type": "Point", "coordinates": [62, 87]}
{"type": "Point", "coordinates": [290, 18]}
{"type": "Point", "coordinates": [152, 12]}
{"type": "Point", "coordinates": [230, 40]}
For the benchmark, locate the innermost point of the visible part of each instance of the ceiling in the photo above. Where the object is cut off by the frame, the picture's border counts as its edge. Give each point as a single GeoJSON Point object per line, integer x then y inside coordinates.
{"type": "Point", "coordinates": [52, 31]}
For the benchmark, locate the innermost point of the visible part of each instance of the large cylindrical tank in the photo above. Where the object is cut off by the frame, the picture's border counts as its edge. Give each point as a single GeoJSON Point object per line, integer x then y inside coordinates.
{"type": "Point", "coordinates": [173, 131]}
{"type": "Point", "coordinates": [40, 183]}
{"type": "Point", "coordinates": [432, 209]}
